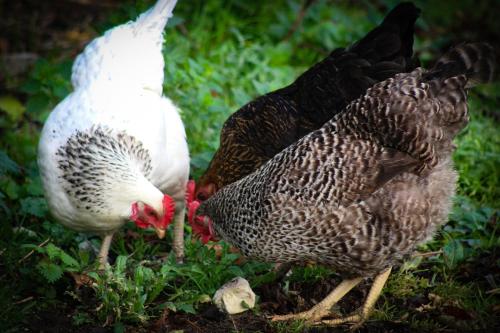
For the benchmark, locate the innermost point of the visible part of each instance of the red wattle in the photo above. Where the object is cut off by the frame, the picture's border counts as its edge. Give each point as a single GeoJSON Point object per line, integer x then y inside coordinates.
{"type": "Point", "coordinates": [140, 223]}
{"type": "Point", "coordinates": [192, 207]}
{"type": "Point", "coordinates": [190, 191]}
{"type": "Point", "coordinates": [201, 230]}
{"type": "Point", "coordinates": [168, 211]}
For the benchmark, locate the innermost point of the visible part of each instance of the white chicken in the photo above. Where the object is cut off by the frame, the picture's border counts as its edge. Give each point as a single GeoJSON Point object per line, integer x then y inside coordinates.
{"type": "Point", "coordinates": [115, 149]}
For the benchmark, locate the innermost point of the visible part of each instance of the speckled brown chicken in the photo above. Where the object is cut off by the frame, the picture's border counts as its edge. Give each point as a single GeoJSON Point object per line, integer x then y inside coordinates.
{"type": "Point", "coordinates": [270, 123]}
{"type": "Point", "coordinates": [364, 190]}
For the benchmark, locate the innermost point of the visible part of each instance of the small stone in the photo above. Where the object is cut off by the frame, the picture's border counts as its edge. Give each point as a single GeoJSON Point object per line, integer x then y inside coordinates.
{"type": "Point", "coordinates": [235, 296]}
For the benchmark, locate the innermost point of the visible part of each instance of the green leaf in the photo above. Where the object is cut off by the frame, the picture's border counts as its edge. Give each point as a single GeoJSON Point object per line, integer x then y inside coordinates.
{"type": "Point", "coordinates": [37, 103]}
{"type": "Point", "coordinates": [120, 264]}
{"type": "Point", "coordinates": [61, 91]}
{"type": "Point", "coordinates": [51, 272]}
{"type": "Point", "coordinates": [34, 186]}
{"type": "Point", "coordinates": [52, 251]}
{"type": "Point", "coordinates": [11, 189]}
{"type": "Point", "coordinates": [68, 260]}
{"type": "Point", "coordinates": [12, 107]}
{"type": "Point", "coordinates": [168, 305]}
{"type": "Point", "coordinates": [34, 206]}
{"type": "Point", "coordinates": [81, 318]}
{"type": "Point", "coordinates": [94, 275]}
{"type": "Point", "coordinates": [236, 270]}
{"type": "Point", "coordinates": [143, 275]}
{"type": "Point", "coordinates": [31, 86]}
{"type": "Point", "coordinates": [7, 165]}
{"type": "Point", "coordinates": [34, 247]}
{"type": "Point", "coordinates": [188, 308]}
{"type": "Point", "coordinates": [453, 252]}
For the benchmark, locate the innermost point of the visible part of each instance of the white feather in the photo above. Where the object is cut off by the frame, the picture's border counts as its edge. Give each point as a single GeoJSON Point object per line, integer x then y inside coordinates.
{"type": "Point", "coordinates": [118, 85]}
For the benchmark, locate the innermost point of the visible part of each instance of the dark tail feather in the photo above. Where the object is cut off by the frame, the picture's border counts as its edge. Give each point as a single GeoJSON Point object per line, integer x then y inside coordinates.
{"type": "Point", "coordinates": [392, 38]}
{"type": "Point", "coordinates": [404, 17]}
{"type": "Point", "coordinates": [474, 60]}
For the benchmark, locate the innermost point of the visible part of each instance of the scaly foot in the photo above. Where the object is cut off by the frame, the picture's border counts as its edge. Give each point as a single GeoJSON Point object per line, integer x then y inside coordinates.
{"type": "Point", "coordinates": [362, 314]}
{"type": "Point", "coordinates": [323, 308]}
{"type": "Point", "coordinates": [312, 315]}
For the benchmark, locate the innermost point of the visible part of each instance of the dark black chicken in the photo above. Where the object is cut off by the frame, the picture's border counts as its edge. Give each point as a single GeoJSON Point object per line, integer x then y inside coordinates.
{"type": "Point", "coordinates": [264, 127]}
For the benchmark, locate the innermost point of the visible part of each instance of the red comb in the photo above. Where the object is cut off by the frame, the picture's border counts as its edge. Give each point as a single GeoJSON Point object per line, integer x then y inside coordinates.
{"type": "Point", "coordinates": [207, 236]}
{"type": "Point", "coordinates": [192, 207]}
{"type": "Point", "coordinates": [190, 192]}
{"type": "Point", "coordinates": [202, 230]}
{"type": "Point", "coordinates": [168, 211]}
{"type": "Point", "coordinates": [198, 226]}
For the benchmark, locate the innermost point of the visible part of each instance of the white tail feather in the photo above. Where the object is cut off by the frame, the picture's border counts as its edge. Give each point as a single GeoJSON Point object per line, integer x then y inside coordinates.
{"type": "Point", "coordinates": [128, 55]}
{"type": "Point", "coordinates": [156, 17]}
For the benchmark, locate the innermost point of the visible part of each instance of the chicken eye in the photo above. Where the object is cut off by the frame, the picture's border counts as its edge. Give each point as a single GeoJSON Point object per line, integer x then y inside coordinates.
{"type": "Point", "coordinates": [151, 213]}
{"type": "Point", "coordinates": [202, 196]}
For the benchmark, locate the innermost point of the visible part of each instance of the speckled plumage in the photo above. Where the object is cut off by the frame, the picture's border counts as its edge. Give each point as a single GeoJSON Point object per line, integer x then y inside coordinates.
{"type": "Point", "coordinates": [116, 140]}
{"type": "Point", "coordinates": [264, 127]}
{"type": "Point", "coordinates": [364, 190]}
{"type": "Point", "coordinates": [88, 156]}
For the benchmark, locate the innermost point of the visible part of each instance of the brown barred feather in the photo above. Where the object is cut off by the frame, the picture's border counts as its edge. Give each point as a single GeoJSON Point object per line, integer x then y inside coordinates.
{"type": "Point", "coordinates": [360, 193]}
{"type": "Point", "coordinates": [264, 127]}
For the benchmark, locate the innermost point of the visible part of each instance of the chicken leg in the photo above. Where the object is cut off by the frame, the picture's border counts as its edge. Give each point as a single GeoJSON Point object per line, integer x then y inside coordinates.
{"type": "Point", "coordinates": [103, 252]}
{"type": "Point", "coordinates": [178, 241]}
{"type": "Point", "coordinates": [362, 314]}
{"type": "Point", "coordinates": [281, 270]}
{"type": "Point", "coordinates": [323, 308]}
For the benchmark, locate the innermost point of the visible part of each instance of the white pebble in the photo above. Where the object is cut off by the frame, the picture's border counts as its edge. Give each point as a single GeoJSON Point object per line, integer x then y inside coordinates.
{"type": "Point", "coordinates": [235, 296]}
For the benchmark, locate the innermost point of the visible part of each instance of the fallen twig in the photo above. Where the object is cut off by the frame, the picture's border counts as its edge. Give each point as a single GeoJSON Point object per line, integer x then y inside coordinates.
{"type": "Point", "coordinates": [27, 299]}
{"type": "Point", "coordinates": [198, 328]}
{"type": "Point", "coordinates": [33, 251]}
{"type": "Point", "coordinates": [427, 254]}
{"type": "Point", "coordinates": [234, 324]}
{"type": "Point", "coordinates": [494, 291]}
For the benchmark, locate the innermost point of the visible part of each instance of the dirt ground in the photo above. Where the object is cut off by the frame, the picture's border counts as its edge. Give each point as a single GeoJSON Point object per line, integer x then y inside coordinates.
{"type": "Point", "coordinates": [274, 301]}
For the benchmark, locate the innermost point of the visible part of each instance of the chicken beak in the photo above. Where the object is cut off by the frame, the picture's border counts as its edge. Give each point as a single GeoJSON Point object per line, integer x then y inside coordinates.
{"type": "Point", "coordinates": [160, 233]}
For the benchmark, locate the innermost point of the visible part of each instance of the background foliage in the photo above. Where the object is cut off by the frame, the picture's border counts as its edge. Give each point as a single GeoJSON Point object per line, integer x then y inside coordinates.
{"type": "Point", "coordinates": [219, 55]}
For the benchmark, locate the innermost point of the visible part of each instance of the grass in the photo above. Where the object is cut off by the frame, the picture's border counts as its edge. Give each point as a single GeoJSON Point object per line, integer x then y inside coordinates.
{"type": "Point", "coordinates": [213, 66]}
